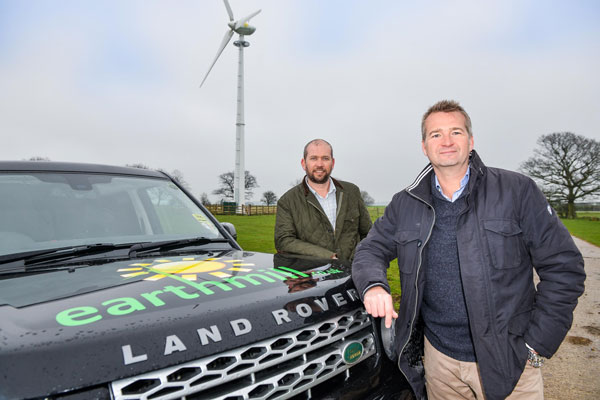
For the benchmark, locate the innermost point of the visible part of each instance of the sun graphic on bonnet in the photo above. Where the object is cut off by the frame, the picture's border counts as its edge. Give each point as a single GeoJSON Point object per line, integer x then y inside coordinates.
{"type": "Point", "coordinates": [186, 268]}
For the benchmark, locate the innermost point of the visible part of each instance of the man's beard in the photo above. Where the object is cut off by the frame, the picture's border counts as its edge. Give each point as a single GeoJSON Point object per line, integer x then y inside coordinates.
{"type": "Point", "coordinates": [316, 180]}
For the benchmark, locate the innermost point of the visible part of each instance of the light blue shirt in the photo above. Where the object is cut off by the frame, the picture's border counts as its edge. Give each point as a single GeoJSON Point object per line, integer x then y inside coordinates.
{"type": "Point", "coordinates": [456, 195]}
{"type": "Point", "coordinates": [329, 202]}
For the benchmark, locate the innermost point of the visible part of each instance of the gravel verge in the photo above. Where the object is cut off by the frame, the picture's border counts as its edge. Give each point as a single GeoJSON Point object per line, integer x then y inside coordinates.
{"type": "Point", "coordinates": [573, 373]}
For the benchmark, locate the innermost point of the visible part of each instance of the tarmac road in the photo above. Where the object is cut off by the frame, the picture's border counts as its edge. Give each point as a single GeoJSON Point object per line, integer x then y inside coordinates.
{"type": "Point", "coordinates": [573, 373]}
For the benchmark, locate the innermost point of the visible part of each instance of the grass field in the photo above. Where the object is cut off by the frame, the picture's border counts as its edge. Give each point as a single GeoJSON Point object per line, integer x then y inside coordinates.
{"type": "Point", "coordinates": [255, 233]}
{"type": "Point", "coordinates": [588, 214]}
{"type": "Point", "coordinates": [586, 229]}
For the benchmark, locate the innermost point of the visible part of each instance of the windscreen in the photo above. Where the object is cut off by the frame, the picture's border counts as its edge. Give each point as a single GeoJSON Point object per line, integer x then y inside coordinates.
{"type": "Point", "coordinates": [50, 210]}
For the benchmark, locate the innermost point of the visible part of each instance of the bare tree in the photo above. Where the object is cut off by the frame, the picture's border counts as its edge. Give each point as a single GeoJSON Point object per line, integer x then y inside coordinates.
{"type": "Point", "coordinates": [367, 198]}
{"type": "Point", "coordinates": [269, 198]}
{"type": "Point", "coordinates": [226, 185]}
{"type": "Point", "coordinates": [138, 165]}
{"type": "Point", "coordinates": [296, 182]}
{"type": "Point", "coordinates": [177, 176]}
{"type": "Point", "coordinates": [204, 199]}
{"type": "Point", "coordinates": [567, 166]}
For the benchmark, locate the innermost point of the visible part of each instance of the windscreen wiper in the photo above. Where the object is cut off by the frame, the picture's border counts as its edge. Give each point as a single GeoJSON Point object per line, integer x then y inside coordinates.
{"type": "Point", "coordinates": [23, 262]}
{"type": "Point", "coordinates": [172, 244]}
{"type": "Point", "coordinates": [39, 260]}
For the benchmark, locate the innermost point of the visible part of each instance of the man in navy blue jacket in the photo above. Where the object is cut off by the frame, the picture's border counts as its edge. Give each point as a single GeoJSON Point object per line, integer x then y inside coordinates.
{"type": "Point", "coordinates": [471, 323]}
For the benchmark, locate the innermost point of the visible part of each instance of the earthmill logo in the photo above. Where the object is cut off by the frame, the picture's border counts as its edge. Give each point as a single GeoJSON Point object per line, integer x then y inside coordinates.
{"type": "Point", "coordinates": [188, 279]}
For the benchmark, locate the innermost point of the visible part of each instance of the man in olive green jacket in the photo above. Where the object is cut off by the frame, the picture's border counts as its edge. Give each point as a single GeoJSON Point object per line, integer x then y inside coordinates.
{"type": "Point", "coordinates": [321, 216]}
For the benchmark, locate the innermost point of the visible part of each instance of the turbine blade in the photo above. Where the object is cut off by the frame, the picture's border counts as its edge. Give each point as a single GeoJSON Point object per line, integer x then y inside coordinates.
{"type": "Point", "coordinates": [242, 21]}
{"type": "Point", "coordinates": [228, 7]}
{"type": "Point", "coordinates": [226, 40]}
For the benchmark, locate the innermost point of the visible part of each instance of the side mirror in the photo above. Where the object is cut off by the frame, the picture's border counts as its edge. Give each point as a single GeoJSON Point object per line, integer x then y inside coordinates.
{"type": "Point", "coordinates": [230, 228]}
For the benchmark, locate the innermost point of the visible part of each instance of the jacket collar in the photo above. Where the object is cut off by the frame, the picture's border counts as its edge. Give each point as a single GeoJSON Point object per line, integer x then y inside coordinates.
{"type": "Point", "coordinates": [338, 185]}
{"type": "Point", "coordinates": [421, 187]}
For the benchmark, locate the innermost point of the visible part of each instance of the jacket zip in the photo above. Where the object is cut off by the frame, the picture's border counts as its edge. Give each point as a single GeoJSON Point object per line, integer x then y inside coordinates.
{"type": "Point", "coordinates": [338, 208]}
{"type": "Point", "coordinates": [319, 210]}
{"type": "Point", "coordinates": [416, 281]}
{"type": "Point", "coordinates": [489, 303]}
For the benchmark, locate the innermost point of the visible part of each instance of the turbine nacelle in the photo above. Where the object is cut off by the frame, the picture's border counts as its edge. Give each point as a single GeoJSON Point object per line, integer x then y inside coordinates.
{"type": "Point", "coordinates": [245, 29]}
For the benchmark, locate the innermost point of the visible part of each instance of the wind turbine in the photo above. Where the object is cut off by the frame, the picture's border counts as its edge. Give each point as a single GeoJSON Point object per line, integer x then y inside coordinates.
{"type": "Point", "coordinates": [242, 28]}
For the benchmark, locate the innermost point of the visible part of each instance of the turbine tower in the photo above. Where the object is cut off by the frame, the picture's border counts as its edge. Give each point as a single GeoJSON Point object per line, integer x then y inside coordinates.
{"type": "Point", "coordinates": [242, 28]}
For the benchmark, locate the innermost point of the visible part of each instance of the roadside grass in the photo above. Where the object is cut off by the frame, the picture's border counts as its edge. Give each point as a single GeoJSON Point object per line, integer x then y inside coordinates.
{"type": "Point", "coordinates": [584, 228]}
{"type": "Point", "coordinates": [256, 232]}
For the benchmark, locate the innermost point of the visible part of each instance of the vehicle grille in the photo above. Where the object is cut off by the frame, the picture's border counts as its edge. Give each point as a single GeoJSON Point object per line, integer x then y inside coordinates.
{"type": "Point", "coordinates": [277, 368]}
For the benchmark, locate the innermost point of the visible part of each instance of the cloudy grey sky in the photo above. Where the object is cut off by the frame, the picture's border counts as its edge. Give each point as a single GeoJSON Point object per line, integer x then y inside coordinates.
{"type": "Point", "coordinates": [116, 82]}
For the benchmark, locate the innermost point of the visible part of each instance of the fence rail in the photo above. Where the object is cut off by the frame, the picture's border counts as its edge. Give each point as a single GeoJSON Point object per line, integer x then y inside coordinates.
{"type": "Point", "coordinates": [219, 209]}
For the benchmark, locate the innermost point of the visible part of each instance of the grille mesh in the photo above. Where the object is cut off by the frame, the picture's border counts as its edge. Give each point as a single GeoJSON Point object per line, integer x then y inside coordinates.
{"type": "Point", "coordinates": [277, 368]}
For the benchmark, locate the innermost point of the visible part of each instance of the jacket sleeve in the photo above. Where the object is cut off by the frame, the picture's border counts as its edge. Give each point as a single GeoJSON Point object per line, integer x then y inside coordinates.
{"type": "Point", "coordinates": [286, 237]}
{"type": "Point", "coordinates": [559, 265]}
{"type": "Point", "coordinates": [374, 253]}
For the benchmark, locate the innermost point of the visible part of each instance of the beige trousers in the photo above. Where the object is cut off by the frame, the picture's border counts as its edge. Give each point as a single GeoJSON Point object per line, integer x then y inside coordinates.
{"type": "Point", "coordinates": [449, 379]}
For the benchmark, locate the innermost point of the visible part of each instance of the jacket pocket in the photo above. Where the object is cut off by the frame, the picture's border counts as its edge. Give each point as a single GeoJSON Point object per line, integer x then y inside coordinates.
{"type": "Point", "coordinates": [504, 238]}
{"type": "Point", "coordinates": [351, 221]}
{"type": "Point", "coordinates": [518, 324]}
{"type": "Point", "coordinates": [408, 245]}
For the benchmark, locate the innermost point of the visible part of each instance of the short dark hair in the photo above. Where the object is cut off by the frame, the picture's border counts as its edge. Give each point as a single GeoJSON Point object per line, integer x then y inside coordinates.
{"type": "Point", "coordinates": [446, 106]}
{"type": "Point", "coordinates": [317, 141]}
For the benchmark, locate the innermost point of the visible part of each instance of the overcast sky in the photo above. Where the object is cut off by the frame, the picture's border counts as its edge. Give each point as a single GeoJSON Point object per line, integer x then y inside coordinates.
{"type": "Point", "coordinates": [116, 82]}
